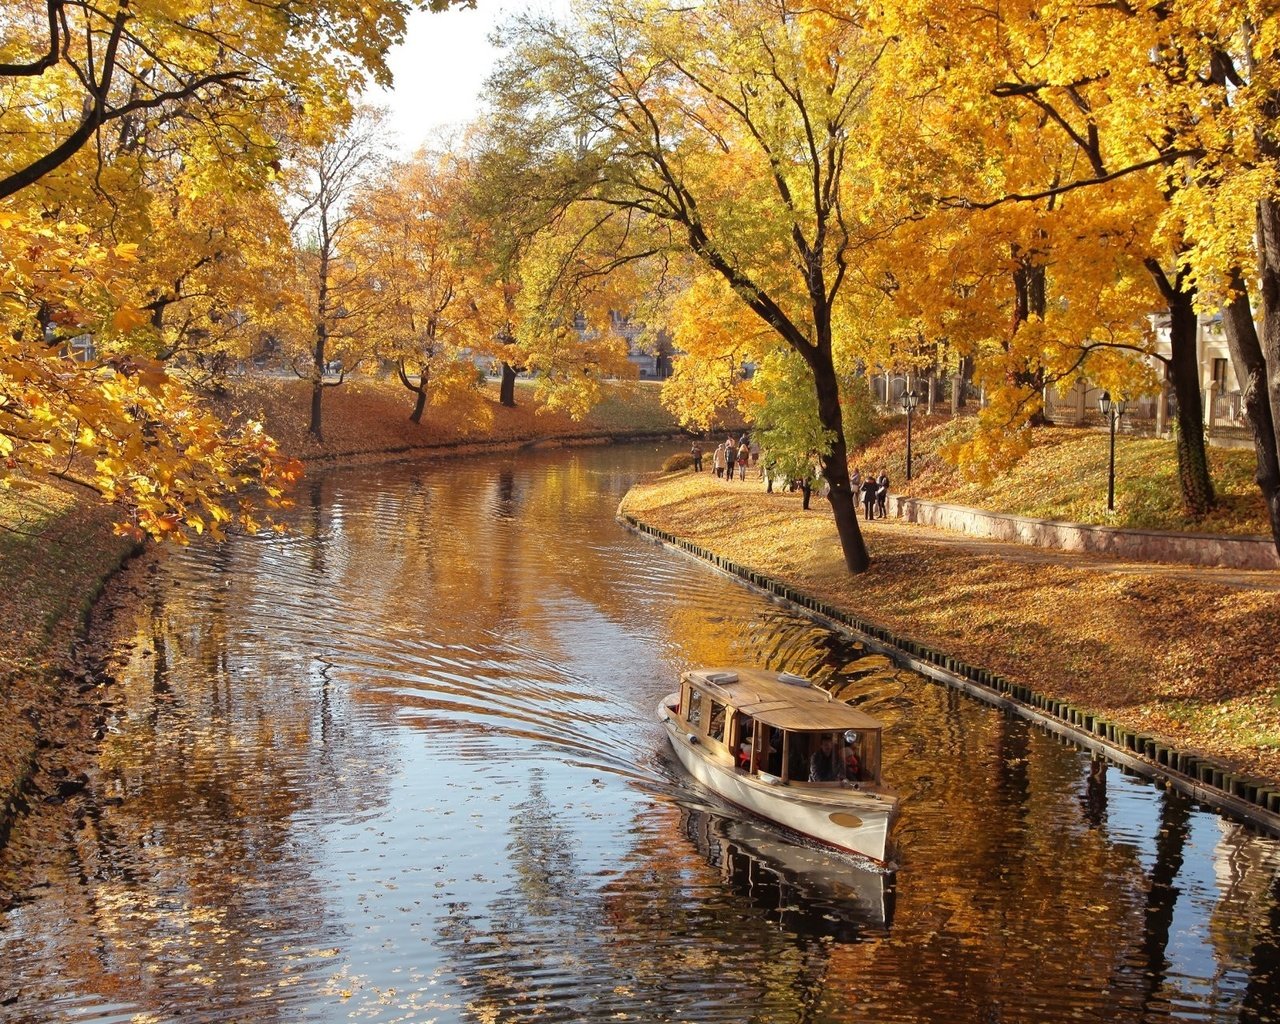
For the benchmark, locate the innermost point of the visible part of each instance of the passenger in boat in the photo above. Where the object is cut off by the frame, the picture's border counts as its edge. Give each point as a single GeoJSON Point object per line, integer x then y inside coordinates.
{"type": "Point", "coordinates": [852, 766]}
{"type": "Point", "coordinates": [774, 752]}
{"type": "Point", "coordinates": [823, 765]}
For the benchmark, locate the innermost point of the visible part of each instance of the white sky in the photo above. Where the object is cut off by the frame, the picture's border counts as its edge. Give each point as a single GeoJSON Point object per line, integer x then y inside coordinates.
{"type": "Point", "coordinates": [441, 68]}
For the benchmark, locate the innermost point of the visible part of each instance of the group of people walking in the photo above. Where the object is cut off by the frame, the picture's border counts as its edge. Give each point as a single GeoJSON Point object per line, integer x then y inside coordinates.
{"type": "Point", "coordinates": [874, 491]}
{"type": "Point", "coordinates": [740, 454]}
{"type": "Point", "coordinates": [726, 458]}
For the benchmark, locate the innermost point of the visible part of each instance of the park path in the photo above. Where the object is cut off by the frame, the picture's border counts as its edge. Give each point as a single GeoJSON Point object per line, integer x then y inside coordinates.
{"type": "Point", "coordinates": [1244, 579]}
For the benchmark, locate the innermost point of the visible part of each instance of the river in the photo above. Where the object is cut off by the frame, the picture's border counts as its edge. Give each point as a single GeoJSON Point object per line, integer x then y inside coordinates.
{"type": "Point", "coordinates": [402, 764]}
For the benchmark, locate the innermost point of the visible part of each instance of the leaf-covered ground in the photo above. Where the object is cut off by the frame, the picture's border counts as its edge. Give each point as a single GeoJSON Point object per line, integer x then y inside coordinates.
{"type": "Point", "coordinates": [366, 416]}
{"type": "Point", "coordinates": [56, 548]}
{"type": "Point", "coordinates": [1186, 653]}
{"type": "Point", "coordinates": [1064, 476]}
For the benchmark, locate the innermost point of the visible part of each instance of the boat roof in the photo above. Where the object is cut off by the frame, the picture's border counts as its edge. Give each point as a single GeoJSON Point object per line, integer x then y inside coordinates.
{"type": "Point", "coordinates": [780, 699]}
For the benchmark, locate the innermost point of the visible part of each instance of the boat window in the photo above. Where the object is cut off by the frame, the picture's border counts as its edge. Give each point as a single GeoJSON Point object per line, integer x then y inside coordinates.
{"type": "Point", "coordinates": [826, 758]}
{"type": "Point", "coordinates": [716, 729]}
{"type": "Point", "coordinates": [854, 755]}
{"type": "Point", "coordinates": [695, 707]}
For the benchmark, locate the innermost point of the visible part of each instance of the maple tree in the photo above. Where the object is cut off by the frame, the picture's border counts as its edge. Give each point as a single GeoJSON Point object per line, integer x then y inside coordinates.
{"type": "Point", "coordinates": [123, 122]}
{"type": "Point", "coordinates": [540, 303]}
{"type": "Point", "coordinates": [343, 301]}
{"type": "Point", "coordinates": [728, 126]}
{"type": "Point", "coordinates": [403, 234]}
{"type": "Point", "coordinates": [1169, 113]}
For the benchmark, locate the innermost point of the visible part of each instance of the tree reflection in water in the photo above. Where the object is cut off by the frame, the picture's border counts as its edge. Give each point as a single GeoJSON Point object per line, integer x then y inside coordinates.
{"type": "Point", "coordinates": [402, 764]}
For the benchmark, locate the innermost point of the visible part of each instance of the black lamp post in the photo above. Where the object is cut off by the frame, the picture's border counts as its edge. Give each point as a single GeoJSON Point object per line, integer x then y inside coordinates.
{"type": "Point", "coordinates": [909, 400]}
{"type": "Point", "coordinates": [1113, 411]}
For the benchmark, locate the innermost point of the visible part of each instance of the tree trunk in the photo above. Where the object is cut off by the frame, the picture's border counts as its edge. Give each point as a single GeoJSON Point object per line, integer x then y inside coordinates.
{"type": "Point", "coordinates": [420, 401]}
{"type": "Point", "coordinates": [322, 340]}
{"type": "Point", "coordinates": [1269, 273]}
{"type": "Point", "coordinates": [835, 464]}
{"type": "Point", "coordinates": [317, 382]}
{"type": "Point", "coordinates": [1029, 282]}
{"type": "Point", "coordinates": [1251, 371]}
{"type": "Point", "coordinates": [1193, 459]}
{"type": "Point", "coordinates": [419, 390]}
{"type": "Point", "coordinates": [507, 389]}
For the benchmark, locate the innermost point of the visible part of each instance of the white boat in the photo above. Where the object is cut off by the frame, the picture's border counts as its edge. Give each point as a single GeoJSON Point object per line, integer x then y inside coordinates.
{"type": "Point", "coordinates": [775, 745]}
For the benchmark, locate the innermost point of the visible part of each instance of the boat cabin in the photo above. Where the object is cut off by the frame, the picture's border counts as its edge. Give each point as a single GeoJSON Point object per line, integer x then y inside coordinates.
{"type": "Point", "coordinates": [779, 727]}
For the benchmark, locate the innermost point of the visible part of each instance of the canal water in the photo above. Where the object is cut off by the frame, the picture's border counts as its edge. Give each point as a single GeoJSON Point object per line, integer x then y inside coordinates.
{"type": "Point", "coordinates": [402, 764]}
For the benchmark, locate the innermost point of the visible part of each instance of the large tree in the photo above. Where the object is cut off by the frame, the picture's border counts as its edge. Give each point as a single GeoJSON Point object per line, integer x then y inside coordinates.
{"type": "Point", "coordinates": [342, 298]}
{"type": "Point", "coordinates": [404, 240]}
{"type": "Point", "coordinates": [732, 126]}
{"type": "Point", "coordinates": [118, 118]}
{"type": "Point", "coordinates": [1185, 96]}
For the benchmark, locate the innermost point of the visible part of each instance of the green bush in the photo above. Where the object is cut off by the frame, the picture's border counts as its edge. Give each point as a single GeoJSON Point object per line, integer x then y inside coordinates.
{"type": "Point", "coordinates": [675, 463]}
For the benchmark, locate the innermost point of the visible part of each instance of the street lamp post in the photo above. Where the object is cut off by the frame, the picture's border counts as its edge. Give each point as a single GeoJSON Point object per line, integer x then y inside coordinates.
{"type": "Point", "coordinates": [1113, 411]}
{"type": "Point", "coordinates": [909, 401]}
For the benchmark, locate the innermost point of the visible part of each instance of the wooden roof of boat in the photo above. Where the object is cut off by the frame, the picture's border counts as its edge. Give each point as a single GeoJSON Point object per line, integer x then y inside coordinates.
{"type": "Point", "coordinates": [780, 699]}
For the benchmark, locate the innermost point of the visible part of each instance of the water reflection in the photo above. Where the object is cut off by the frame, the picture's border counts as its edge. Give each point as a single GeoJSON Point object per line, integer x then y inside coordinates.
{"type": "Point", "coordinates": [402, 764]}
{"type": "Point", "coordinates": [793, 885]}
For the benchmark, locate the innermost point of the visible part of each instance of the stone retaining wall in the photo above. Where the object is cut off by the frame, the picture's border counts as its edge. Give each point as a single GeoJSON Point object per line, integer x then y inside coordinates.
{"type": "Point", "coordinates": [1222, 550]}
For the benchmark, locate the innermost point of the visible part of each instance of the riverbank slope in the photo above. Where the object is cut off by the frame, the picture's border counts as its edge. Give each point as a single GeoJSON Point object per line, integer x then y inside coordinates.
{"type": "Point", "coordinates": [368, 418]}
{"type": "Point", "coordinates": [57, 549]}
{"type": "Point", "coordinates": [1188, 655]}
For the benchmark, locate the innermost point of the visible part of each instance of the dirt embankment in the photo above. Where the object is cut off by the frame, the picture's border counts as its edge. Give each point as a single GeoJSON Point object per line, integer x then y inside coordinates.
{"type": "Point", "coordinates": [57, 549]}
{"type": "Point", "coordinates": [1183, 654]}
{"type": "Point", "coordinates": [364, 419]}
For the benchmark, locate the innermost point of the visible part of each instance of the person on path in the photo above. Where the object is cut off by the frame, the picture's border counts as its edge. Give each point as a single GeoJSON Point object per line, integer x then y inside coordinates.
{"type": "Point", "coordinates": [882, 493]}
{"type": "Point", "coordinates": [755, 452]}
{"type": "Point", "coordinates": [696, 452]}
{"type": "Point", "coordinates": [730, 456]}
{"type": "Point", "coordinates": [744, 460]}
{"type": "Point", "coordinates": [855, 482]}
{"type": "Point", "coordinates": [869, 498]}
{"type": "Point", "coordinates": [717, 460]}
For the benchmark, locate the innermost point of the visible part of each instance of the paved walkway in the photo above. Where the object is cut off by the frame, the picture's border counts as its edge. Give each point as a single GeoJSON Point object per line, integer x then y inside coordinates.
{"type": "Point", "coordinates": [1245, 579]}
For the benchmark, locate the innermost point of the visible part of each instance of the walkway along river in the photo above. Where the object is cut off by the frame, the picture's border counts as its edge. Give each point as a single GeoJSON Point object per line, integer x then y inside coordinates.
{"type": "Point", "coordinates": [401, 765]}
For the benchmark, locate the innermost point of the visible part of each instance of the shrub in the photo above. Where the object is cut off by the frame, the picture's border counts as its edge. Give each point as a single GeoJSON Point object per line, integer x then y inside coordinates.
{"type": "Point", "coordinates": [677, 462]}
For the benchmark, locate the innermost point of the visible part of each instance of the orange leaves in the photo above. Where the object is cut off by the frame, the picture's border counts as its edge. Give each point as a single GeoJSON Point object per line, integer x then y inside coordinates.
{"type": "Point", "coordinates": [139, 436]}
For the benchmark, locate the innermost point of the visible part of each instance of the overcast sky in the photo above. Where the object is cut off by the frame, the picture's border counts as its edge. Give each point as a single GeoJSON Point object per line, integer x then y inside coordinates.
{"type": "Point", "coordinates": [441, 69]}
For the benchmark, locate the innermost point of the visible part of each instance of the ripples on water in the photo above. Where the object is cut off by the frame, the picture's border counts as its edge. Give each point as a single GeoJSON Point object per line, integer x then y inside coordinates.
{"type": "Point", "coordinates": [403, 765]}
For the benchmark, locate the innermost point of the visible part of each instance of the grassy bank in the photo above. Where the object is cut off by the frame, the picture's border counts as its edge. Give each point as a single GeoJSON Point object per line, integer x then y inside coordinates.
{"type": "Point", "coordinates": [365, 417]}
{"type": "Point", "coordinates": [1179, 656]}
{"type": "Point", "coordinates": [56, 550]}
{"type": "Point", "coordinates": [1064, 476]}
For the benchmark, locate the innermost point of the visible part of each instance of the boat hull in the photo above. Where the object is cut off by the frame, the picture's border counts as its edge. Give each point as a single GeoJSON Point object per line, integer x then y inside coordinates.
{"type": "Point", "coordinates": [854, 821]}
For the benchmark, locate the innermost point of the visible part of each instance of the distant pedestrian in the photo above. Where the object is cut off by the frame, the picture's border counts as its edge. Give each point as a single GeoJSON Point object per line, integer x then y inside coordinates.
{"type": "Point", "coordinates": [696, 452]}
{"type": "Point", "coordinates": [755, 451]}
{"type": "Point", "coordinates": [730, 457]}
{"type": "Point", "coordinates": [855, 482]}
{"type": "Point", "coordinates": [882, 493]}
{"type": "Point", "coordinates": [717, 460]}
{"type": "Point", "coordinates": [869, 498]}
{"type": "Point", "coordinates": [744, 459]}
